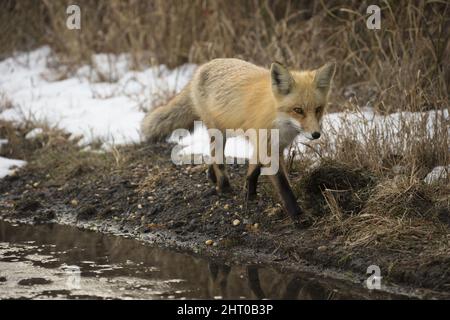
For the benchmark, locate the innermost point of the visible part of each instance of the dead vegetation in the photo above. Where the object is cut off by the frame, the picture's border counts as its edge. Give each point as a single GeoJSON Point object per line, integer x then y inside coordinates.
{"type": "Point", "coordinates": [398, 214]}
{"type": "Point", "coordinates": [333, 185]}
{"type": "Point", "coordinates": [363, 211]}
{"type": "Point", "coordinates": [400, 67]}
{"type": "Point", "coordinates": [55, 149]}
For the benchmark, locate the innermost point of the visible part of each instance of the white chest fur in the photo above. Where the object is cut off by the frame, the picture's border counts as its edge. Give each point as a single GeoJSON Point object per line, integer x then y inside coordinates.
{"type": "Point", "coordinates": [288, 128]}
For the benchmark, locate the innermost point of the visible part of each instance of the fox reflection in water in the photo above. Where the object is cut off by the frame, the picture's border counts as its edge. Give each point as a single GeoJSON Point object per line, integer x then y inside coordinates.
{"type": "Point", "coordinates": [279, 287]}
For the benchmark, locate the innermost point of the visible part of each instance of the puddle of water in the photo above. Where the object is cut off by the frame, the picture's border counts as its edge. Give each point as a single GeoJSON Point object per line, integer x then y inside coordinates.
{"type": "Point", "coordinates": [62, 262]}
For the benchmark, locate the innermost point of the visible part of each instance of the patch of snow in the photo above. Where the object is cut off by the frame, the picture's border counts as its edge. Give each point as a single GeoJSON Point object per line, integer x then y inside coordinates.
{"type": "Point", "coordinates": [110, 111]}
{"type": "Point", "coordinates": [8, 166]}
{"type": "Point", "coordinates": [438, 173]}
{"type": "Point", "coordinates": [34, 133]}
{"type": "Point", "coordinates": [198, 143]}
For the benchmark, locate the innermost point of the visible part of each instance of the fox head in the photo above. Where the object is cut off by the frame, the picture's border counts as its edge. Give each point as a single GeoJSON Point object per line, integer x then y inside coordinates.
{"type": "Point", "coordinates": [301, 98]}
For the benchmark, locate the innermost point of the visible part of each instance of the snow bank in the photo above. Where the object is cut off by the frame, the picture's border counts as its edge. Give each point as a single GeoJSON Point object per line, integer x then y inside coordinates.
{"type": "Point", "coordinates": [34, 133]}
{"type": "Point", "coordinates": [7, 166]}
{"type": "Point", "coordinates": [111, 111]}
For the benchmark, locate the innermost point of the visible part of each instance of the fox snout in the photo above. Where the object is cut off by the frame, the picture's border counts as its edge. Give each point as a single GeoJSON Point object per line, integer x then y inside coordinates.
{"type": "Point", "coordinates": [312, 135]}
{"type": "Point", "coordinates": [312, 130]}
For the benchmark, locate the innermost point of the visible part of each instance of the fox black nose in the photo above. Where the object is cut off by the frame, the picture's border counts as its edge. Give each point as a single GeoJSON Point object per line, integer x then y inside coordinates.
{"type": "Point", "coordinates": [315, 135]}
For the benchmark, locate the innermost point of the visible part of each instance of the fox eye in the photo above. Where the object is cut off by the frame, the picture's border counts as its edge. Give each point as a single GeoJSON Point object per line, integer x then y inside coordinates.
{"type": "Point", "coordinates": [299, 111]}
{"type": "Point", "coordinates": [319, 109]}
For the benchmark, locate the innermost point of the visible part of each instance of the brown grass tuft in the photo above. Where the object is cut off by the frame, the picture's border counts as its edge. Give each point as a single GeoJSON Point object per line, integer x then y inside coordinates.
{"type": "Point", "coordinates": [397, 214]}
{"type": "Point", "coordinates": [335, 187]}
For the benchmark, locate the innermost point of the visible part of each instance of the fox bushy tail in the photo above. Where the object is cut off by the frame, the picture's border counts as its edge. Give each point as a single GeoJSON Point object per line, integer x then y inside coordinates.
{"type": "Point", "coordinates": [159, 123]}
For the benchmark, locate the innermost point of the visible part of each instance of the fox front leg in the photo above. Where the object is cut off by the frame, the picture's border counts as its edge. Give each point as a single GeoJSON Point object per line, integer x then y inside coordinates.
{"type": "Point", "coordinates": [281, 184]}
{"type": "Point", "coordinates": [212, 174]}
{"type": "Point", "coordinates": [253, 173]}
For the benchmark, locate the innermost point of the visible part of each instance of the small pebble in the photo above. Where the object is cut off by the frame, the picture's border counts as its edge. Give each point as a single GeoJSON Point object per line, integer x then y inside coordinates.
{"type": "Point", "coordinates": [322, 248]}
{"type": "Point", "coordinates": [74, 202]}
{"type": "Point", "coordinates": [209, 242]}
{"type": "Point", "coordinates": [236, 222]}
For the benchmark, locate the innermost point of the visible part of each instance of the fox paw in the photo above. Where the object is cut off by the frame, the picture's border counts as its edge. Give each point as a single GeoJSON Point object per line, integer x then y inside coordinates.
{"type": "Point", "coordinates": [251, 196]}
{"type": "Point", "coordinates": [223, 185]}
{"type": "Point", "coordinates": [302, 222]}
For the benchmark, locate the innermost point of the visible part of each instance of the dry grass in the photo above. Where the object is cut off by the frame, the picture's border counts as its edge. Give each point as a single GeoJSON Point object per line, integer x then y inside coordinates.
{"type": "Point", "coordinates": [5, 102]}
{"type": "Point", "coordinates": [398, 214]}
{"type": "Point", "coordinates": [402, 66]}
{"type": "Point", "coordinates": [334, 184]}
{"type": "Point", "coordinates": [53, 149]}
{"type": "Point", "coordinates": [363, 211]}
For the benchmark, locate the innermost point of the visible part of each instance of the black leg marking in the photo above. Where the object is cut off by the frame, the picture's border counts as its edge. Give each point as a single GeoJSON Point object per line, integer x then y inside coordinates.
{"type": "Point", "coordinates": [212, 174]}
{"type": "Point", "coordinates": [223, 185]}
{"type": "Point", "coordinates": [288, 199]}
{"type": "Point", "coordinates": [252, 182]}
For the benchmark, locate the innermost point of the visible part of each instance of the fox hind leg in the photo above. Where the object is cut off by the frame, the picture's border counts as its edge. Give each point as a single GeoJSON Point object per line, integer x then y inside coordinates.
{"type": "Point", "coordinates": [217, 171]}
{"type": "Point", "coordinates": [221, 177]}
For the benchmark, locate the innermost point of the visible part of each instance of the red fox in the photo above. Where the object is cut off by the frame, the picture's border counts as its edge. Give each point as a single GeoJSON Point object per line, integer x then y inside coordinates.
{"type": "Point", "coordinates": [234, 94]}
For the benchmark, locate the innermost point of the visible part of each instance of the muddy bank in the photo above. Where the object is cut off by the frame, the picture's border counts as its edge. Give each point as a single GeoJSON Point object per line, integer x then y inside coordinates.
{"type": "Point", "coordinates": [137, 192]}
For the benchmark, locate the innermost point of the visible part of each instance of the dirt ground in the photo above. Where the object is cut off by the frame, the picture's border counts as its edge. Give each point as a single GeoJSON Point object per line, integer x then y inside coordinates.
{"type": "Point", "coordinates": [138, 192]}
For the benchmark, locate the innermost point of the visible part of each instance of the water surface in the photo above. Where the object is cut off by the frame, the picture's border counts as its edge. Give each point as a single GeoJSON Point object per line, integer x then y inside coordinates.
{"type": "Point", "coordinates": [60, 262]}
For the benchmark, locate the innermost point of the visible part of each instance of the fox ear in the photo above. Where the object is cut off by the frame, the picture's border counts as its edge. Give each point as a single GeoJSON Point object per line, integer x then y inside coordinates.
{"type": "Point", "coordinates": [324, 75]}
{"type": "Point", "coordinates": [282, 80]}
